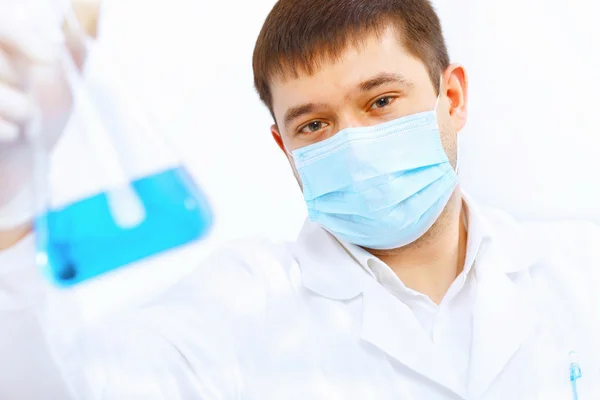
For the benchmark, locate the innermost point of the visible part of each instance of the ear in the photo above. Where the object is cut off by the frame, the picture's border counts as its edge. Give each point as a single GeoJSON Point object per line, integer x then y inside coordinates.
{"type": "Point", "coordinates": [455, 88]}
{"type": "Point", "coordinates": [277, 137]}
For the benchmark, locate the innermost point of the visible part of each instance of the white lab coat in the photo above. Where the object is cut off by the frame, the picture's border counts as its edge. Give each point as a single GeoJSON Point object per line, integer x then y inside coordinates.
{"type": "Point", "coordinates": [305, 321]}
{"type": "Point", "coordinates": [28, 369]}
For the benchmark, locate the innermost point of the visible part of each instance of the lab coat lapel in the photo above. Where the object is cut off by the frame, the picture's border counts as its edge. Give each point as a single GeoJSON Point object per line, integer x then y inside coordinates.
{"type": "Point", "coordinates": [503, 318]}
{"type": "Point", "coordinates": [390, 325]}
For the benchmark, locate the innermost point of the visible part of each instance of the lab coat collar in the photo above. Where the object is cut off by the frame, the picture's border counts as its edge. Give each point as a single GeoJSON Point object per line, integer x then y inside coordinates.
{"type": "Point", "coordinates": [331, 270]}
{"type": "Point", "coordinates": [478, 227]}
{"type": "Point", "coordinates": [504, 238]}
{"type": "Point", "coordinates": [327, 268]}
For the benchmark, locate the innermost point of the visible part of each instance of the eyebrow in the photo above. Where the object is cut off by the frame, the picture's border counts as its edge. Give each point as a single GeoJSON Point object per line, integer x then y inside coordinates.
{"type": "Point", "coordinates": [383, 79]}
{"type": "Point", "coordinates": [298, 111]}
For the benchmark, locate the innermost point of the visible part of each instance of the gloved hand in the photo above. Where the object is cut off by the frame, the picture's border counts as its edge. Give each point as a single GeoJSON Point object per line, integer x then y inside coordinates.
{"type": "Point", "coordinates": [33, 89]}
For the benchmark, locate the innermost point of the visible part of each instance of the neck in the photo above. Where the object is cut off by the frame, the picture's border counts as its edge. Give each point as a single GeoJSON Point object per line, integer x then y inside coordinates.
{"type": "Point", "coordinates": [13, 236]}
{"type": "Point", "coordinates": [433, 262]}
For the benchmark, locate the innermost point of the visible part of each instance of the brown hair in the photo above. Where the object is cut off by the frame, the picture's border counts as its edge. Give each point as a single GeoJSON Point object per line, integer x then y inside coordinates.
{"type": "Point", "coordinates": [299, 35]}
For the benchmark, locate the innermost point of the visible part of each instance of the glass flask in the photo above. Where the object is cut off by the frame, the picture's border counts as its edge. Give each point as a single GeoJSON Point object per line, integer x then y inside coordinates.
{"type": "Point", "coordinates": [128, 195]}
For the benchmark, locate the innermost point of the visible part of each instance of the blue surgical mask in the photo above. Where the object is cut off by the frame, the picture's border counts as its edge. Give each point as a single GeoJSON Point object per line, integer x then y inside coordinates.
{"type": "Point", "coordinates": [379, 187]}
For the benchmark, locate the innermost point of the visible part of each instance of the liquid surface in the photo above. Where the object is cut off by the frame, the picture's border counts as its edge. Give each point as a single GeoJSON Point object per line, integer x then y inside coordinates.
{"type": "Point", "coordinates": [83, 240]}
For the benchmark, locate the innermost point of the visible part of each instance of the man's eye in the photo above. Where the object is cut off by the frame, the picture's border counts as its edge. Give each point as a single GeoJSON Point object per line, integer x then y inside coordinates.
{"type": "Point", "coordinates": [312, 127]}
{"type": "Point", "coordinates": [382, 102]}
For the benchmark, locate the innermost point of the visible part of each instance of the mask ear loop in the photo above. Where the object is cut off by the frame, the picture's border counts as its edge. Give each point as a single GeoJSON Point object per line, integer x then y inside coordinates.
{"type": "Point", "coordinates": [290, 155]}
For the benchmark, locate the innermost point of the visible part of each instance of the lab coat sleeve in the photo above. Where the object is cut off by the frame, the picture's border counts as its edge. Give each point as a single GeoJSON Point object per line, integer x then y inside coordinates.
{"type": "Point", "coordinates": [184, 345]}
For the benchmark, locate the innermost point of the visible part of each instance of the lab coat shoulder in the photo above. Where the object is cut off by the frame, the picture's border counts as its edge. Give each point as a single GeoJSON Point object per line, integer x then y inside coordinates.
{"type": "Point", "coordinates": [568, 246]}
{"type": "Point", "coordinates": [572, 254]}
{"type": "Point", "coordinates": [558, 265]}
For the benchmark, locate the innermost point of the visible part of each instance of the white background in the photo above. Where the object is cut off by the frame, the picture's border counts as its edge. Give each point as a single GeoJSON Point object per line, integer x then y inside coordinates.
{"type": "Point", "coordinates": [532, 144]}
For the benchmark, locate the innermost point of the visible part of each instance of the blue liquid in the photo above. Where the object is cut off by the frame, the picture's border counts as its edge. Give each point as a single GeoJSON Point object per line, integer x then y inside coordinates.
{"type": "Point", "coordinates": [82, 241]}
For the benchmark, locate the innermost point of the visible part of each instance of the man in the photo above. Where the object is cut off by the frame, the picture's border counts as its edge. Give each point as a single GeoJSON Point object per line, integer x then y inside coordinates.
{"type": "Point", "coordinates": [400, 286]}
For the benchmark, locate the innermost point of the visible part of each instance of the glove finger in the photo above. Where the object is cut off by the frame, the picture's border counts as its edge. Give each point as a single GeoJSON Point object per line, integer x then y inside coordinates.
{"type": "Point", "coordinates": [15, 107]}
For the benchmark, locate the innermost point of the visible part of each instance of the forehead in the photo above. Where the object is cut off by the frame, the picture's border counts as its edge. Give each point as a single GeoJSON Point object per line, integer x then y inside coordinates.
{"type": "Point", "coordinates": [336, 79]}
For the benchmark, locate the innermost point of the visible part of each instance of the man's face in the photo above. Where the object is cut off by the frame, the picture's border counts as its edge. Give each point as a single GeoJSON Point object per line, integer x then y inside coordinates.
{"type": "Point", "coordinates": [377, 82]}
